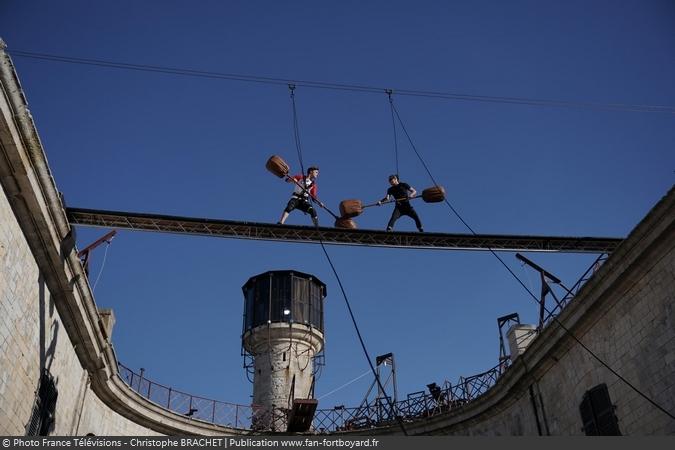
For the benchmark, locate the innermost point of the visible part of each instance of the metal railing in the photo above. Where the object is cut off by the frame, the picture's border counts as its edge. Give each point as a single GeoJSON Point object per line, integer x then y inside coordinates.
{"type": "Point", "coordinates": [572, 293]}
{"type": "Point", "coordinates": [417, 405]}
{"type": "Point", "coordinates": [212, 411]}
{"type": "Point", "coordinates": [379, 413]}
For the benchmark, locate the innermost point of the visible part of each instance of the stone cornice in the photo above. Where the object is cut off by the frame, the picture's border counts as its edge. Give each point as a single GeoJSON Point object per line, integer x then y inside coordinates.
{"type": "Point", "coordinates": [39, 210]}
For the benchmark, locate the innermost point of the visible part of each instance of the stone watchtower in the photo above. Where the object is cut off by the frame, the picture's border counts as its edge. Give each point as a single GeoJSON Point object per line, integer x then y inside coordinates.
{"type": "Point", "coordinates": [282, 333]}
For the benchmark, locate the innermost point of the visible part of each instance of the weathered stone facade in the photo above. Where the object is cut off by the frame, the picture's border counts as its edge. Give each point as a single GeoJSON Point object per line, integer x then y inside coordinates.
{"type": "Point", "coordinates": [283, 358]}
{"type": "Point", "coordinates": [625, 315]}
{"type": "Point", "coordinates": [48, 317]}
{"type": "Point", "coordinates": [22, 296]}
{"type": "Point", "coordinates": [49, 320]}
{"type": "Point", "coordinates": [33, 337]}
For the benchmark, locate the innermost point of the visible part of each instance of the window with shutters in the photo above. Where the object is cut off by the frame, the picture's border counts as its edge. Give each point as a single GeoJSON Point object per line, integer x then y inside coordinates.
{"type": "Point", "coordinates": [597, 413]}
{"type": "Point", "coordinates": [42, 417]}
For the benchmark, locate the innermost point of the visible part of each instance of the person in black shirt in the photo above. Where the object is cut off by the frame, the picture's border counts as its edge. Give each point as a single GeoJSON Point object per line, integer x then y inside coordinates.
{"type": "Point", "coordinates": [401, 192]}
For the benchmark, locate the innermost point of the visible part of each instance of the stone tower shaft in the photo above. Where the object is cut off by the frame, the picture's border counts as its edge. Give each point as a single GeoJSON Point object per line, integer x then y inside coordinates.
{"type": "Point", "coordinates": [282, 334]}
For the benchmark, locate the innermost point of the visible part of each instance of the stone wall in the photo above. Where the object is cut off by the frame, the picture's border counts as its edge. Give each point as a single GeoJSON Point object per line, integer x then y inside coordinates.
{"type": "Point", "coordinates": [32, 338]}
{"type": "Point", "coordinates": [635, 334]}
{"type": "Point", "coordinates": [625, 315]}
{"type": "Point", "coordinates": [48, 316]}
{"type": "Point", "coordinates": [99, 419]}
{"type": "Point", "coordinates": [22, 296]}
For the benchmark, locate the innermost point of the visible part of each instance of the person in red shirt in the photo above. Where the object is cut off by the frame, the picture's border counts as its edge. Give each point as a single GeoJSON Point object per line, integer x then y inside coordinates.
{"type": "Point", "coordinates": [305, 191]}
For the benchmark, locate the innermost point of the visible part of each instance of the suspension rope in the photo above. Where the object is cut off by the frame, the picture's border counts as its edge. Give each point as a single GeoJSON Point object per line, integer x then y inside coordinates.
{"type": "Point", "coordinates": [298, 147]}
{"type": "Point", "coordinates": [105, 256]}
{"type": "Point", "coordinates": [567, 331]}
{"type": "Point", "coordinates": [296, 130]}
{"type": "Point", "coordinates": [393, 124]}
{"type": "Point", "coordinates": [527, 275]}
{"type": "Point", "coordinates": [339, 281]}
{"type": "Point", "coordinates": [363, 345]}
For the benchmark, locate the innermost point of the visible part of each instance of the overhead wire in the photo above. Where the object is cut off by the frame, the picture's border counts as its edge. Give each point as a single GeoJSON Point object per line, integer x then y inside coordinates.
{"type": "Point", "coordinates": [344, 294]}
{"type": "Point", "coordinates": [345, 385]}
{"type": "Point", "coordinates": [663, 109]}
{"type": "Point", "coordinates": [555, 319]}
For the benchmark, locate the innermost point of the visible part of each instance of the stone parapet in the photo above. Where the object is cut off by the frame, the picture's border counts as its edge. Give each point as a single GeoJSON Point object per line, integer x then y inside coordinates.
{"type": "Point", "coordinates": [56, 324]}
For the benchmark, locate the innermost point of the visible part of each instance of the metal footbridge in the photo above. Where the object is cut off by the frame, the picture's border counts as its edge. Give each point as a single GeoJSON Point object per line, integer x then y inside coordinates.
{"type": "Point", "coordinates": [337, 236]}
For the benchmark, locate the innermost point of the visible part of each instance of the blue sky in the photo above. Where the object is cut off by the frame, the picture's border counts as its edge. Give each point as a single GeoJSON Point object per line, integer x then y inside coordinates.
{"type": "Point", "coordinates": [148, 142]}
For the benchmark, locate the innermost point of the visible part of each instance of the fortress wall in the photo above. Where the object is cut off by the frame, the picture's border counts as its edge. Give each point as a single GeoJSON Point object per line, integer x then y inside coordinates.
{"type": "Point", "coordinates": [625, 314]}
{"type": "Point", "coordinates": [24, 324]}
{"type": "Point", "coordinates": [32, 338]}
{"type": "Point", "coordinates": [634, 333]}
{"type": "Point", "coordinates": [48, 316]}
{"type": "Point", "coordinates": [101, 420]}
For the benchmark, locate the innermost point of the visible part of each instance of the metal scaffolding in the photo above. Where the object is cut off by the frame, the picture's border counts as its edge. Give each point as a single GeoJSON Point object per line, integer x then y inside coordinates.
{"type": "Point", "coordinates": [337, 236]}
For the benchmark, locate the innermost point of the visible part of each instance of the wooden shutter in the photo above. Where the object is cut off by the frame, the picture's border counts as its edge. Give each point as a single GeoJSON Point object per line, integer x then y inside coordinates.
{"type": "Point", "coordinates": [42, 417]}
{"type": "Point", "coordinates": [597, 413]}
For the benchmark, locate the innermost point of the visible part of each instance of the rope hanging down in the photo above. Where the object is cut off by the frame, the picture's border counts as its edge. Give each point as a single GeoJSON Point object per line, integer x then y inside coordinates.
{"type": "Point", "coordinates": [393, 124]}
{"type": "Point", "coordinates": [555, 319]}
{"type": "Point", "coordinates": [296, 130]}
{"type": "Point", "coordinates": [344, 294]}
{"type": "Point", "coordinates": [100, 272]}
{"type": "Point", "coordinates": [298, 147]}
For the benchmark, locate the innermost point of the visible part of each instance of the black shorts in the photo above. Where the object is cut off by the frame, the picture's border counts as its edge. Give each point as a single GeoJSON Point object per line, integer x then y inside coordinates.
{"type": "Point", "coordinates": [301, 204]}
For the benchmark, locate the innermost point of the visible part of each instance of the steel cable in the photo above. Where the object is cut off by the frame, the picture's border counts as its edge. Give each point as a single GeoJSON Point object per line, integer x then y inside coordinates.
{"type": "Point", "coordinates": [555, 319]}
{"type": "Point", "coordinates": [663, 109]}
{"type": "Point", "coordinates": [344, 294]}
